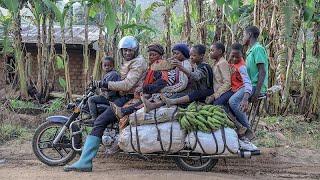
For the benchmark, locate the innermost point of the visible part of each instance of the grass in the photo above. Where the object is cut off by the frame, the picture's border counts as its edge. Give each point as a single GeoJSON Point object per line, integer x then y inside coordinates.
{"type": "Point", "coordinates": [55, 105]}
{"type": "Point", "coordinates": [298, 133]}
{"type": "Point", "coordinates": [18, 104]}
{"type": "Point", "coordinates": [10, 131]}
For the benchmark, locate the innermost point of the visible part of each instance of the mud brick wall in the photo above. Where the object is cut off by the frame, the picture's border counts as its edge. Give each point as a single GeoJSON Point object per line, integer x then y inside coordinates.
{"type": "Point", "coordinates": [76, 70]}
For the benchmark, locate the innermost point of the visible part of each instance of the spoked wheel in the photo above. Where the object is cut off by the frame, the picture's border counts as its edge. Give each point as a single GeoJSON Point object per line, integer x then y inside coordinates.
{"type": "Point", "coordinates": [46, 152]}
{"type": "Point", "coordinates": [195, 163]}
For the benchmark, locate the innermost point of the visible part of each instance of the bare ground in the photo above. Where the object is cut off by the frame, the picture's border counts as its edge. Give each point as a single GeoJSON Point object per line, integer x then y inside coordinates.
{"type": "Point", "coordinates": [18, 162]}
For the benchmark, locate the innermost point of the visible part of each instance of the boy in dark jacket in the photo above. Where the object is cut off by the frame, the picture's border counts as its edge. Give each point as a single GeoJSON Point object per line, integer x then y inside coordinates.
{"type": "Point", "coordinates": [107, 95]}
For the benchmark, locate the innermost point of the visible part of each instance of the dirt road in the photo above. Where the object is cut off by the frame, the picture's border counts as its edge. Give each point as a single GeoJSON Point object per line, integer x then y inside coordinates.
{"type": "Point", "coordinates": [18, 162]}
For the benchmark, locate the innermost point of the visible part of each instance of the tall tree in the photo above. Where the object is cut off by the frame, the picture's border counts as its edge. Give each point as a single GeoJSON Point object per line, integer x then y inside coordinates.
{"type": "Point", "coordinates": [60, 17]}
{"type": "Point", "coordinates": [14, 6]}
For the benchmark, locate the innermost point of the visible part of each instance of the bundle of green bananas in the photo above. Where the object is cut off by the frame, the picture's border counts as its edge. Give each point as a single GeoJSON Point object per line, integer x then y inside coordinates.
{"type": "Point", "coordinates": [206, 118]}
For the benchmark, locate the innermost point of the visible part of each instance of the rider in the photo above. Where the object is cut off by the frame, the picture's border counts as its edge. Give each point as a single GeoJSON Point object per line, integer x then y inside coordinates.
{"type": "Point", "coordinates": [132, 72]}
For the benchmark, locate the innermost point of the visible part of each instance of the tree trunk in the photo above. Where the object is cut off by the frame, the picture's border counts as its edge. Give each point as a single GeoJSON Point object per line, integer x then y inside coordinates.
{"type": "Point", "coordinates": [187, 25]}
{"type": "Point", "coordinates": [50, 60]}
{"type": "Point", "coordinates": [44, 55]}
{"type": "Point", "coordinates": [274, 101]}
{"type": "Point", "coordinates": [256, 13]}
{"type": "Point", "coordinates": [316, 35]}
{"type": "Point", "coordinates": [303, 72]}
{"type": "Point", "coordinates": [219, 25]}
{"type": "Point", "coordinates": [167, 22]}
{"type": "Point", "coordinates": [99, 56]}
{"type": "Point", "coordinates": [289, 30]}
{"type": "Point", "coordinates": [86, 46]}
{"type": "Point", "coordinates": [202, 27]}
{"type": "Point", "coordinates": [17, 46]}
{"type": "Point", "coordinates": [39, 56]}
{"type": "Point", "coordinates": [66, 66]}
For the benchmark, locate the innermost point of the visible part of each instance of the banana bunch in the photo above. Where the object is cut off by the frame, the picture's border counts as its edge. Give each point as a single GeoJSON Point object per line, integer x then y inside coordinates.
{"type": "Point", "coordinates": [206, 118]}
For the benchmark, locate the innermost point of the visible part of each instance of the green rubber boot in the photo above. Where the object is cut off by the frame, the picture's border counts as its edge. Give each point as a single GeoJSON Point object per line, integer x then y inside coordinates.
{"type": "Point", "coordinates": [89, 151]}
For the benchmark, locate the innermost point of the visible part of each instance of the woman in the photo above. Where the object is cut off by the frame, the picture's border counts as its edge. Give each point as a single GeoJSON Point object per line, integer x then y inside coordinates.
{"type": "Point", "coordinates": [177, 79]}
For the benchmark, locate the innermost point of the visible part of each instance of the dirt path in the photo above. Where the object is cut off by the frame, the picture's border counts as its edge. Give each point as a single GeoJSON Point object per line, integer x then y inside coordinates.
{"type": "Point", "coordinates": [18, 162]}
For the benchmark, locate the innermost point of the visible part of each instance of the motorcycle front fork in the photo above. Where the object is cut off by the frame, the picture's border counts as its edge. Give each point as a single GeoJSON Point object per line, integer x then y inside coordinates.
{"type": "Point", "coordinates": [70, 123]}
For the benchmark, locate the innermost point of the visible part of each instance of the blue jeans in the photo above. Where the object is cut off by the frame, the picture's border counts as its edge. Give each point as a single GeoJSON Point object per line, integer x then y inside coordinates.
{"type": "Point", "coordinates": [223, 99]}
{"type": "Point", "coordinates": [234, 103]}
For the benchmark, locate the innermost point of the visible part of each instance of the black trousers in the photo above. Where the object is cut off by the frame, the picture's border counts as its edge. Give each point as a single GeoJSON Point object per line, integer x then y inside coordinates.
{"type": "Point", "coordinates": [108, 117]}
{"type": "Point", "coordinates": [200, 95]}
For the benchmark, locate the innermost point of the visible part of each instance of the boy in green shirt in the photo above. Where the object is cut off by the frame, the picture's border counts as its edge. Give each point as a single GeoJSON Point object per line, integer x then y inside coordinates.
{"type": "Point", "coordinates": [256, 62]}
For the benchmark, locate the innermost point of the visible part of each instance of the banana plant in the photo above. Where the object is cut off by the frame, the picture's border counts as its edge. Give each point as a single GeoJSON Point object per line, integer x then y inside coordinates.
{"type": "Point", "coordinates": [60, 17]}
{"type": "Point", "coordinates": [13, 7]}
{"type": "Point", "coordinates": [5, 24]}
{"type": "Point", "coordinates": [167, 5]}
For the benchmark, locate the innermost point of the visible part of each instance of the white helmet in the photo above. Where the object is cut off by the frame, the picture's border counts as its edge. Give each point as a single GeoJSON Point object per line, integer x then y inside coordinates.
{"type": "Point", "coordinates": [129, 42]}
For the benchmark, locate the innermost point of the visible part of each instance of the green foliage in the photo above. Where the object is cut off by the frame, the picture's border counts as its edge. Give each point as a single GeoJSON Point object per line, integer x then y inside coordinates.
{"type": "Point", "coordinates": [149, 11]}
{"type": "Point", "coordinates": [11, 5]}
{"type": "Point", "coordinates": [9, 132]}
{"type": "Point", "coordinates": [59, 15]}
{"type": "Point", "coordinates": [111, 17]}
{"type": "Point", "coordinates": [59, 62]}
{"type": "Point", "coordinates": [18, 104]}
{"type": "Point", "coordinates": [55, 105]}
{"type": "Point", "coordinates": [266, 139]}
{"type": "Point", "coordinates": [62, 83]}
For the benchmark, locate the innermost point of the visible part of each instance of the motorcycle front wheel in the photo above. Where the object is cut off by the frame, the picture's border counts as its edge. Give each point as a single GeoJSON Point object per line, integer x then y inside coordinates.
{"type": "Point", "coordinates": [48, 153]}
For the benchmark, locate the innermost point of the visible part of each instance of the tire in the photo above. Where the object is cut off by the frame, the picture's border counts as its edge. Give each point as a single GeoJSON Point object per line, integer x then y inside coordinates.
{"type": "Point", "coordinates": [188, 164]}
{"type": "Point", "coordinates": [65, 150]}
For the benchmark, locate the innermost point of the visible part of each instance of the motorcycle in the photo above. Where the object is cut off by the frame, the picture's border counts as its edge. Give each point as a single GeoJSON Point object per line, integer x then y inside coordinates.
{"type": "Point", "coordinates": [57, 141]}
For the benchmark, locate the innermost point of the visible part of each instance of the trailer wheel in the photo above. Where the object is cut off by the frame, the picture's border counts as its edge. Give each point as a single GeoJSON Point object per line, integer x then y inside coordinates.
{"type": "Point", "coordinates": [196, 164]}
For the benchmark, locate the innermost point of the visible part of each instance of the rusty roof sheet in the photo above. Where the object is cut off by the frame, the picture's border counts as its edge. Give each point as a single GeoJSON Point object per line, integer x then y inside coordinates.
{"type": "Point", "coordinates": [29, 34]}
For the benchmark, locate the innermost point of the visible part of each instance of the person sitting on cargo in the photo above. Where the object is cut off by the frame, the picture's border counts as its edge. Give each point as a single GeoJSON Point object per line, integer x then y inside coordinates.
{"type": "Point", "coordinates": [132, 72]}
{"type": "Point", "coordinates": [241, 88]}
{"type": "Point", "coordinates": [220, 94]}
{"type": "Point", "coordinates": [177, 79]}
{"type": "Point", "coordinates": [201, 77]}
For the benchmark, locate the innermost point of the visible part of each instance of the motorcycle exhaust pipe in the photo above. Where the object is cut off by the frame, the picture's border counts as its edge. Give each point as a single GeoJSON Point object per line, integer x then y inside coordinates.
{"type": "Point", "coordinates": [248, 154]}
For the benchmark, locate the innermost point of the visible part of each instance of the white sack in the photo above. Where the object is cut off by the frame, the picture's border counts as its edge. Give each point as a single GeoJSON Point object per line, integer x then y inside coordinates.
{"type": "Point", "coordinates": [209, 145]}
{"type": "Point", "coordinates": [148, 138]}
{"type": "Point", "coordinates": [163, 114]}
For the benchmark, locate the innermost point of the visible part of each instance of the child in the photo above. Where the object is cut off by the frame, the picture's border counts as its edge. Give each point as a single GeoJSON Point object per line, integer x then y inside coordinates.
{"type": "Point", "coordinates": [107, 95]}
{"type": "Point", "coordinates": [201, 77]}
{"type": "Point", "coordinates": [256, 62]}
{"type": "Point", "coordinates": [241, 88]}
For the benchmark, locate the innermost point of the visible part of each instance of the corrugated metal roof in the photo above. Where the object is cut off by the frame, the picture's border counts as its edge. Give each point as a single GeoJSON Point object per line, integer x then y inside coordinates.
{"type": "Point", "coordinates": [29, 34]}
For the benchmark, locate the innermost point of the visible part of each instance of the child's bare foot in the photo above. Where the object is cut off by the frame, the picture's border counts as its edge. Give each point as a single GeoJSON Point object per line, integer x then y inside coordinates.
{"type": "Point", "coordinates": [148, 106]}
{"type": "Point", "coordinates": [166, 100]}
{"type": "Point", "coordinates": [117, 110]}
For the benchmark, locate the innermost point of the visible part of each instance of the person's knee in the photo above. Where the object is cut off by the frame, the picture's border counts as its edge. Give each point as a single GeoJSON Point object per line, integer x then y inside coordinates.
{"type": "Point", "coordinates": [91, 100]}
{"type": "Point", "coordinates": [232, 102]}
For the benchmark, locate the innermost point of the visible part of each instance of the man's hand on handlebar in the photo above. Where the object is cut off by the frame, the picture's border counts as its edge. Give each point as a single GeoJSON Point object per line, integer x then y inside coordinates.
{"type": "Point", "coordinates": [96, 84]}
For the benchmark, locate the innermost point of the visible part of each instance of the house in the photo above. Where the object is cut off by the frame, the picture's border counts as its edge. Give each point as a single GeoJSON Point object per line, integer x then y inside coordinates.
{"type": "Point", "coordinates": [74, 46]}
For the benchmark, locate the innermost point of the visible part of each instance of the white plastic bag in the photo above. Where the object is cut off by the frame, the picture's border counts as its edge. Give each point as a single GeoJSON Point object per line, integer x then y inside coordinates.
{"type": "Point", "coordinates": [206, 144]}
{"type": "Point", "coordinates": [162, 114]}
{"type": "Point", "coordinates": [149, 140]}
